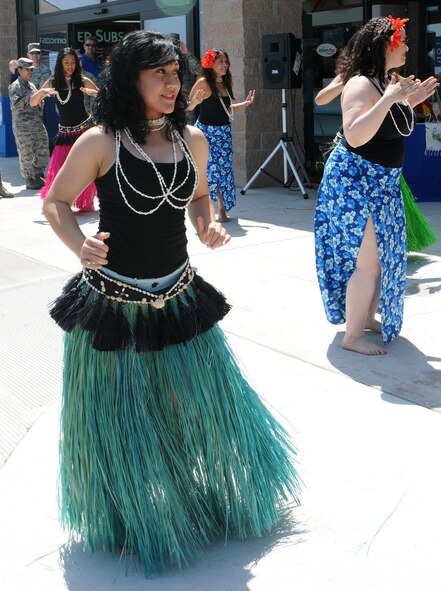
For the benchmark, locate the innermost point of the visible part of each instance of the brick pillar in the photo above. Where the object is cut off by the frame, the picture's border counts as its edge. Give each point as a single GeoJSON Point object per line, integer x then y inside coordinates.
{"type": "Point", "coordinates": [8, 41]}
{"type": "Point", "coordinates": [237, 26]}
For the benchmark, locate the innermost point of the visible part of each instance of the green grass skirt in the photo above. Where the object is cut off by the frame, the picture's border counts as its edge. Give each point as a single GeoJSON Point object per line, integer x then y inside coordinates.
{"type": "Point", "coordinates": [162, 452]}
{"type": "Point", "coordinates": [420, 233]}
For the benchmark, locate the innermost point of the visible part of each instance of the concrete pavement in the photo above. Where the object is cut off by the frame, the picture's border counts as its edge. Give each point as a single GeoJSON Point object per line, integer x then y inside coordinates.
{"type": "Point", "coordinates": [368, 429]}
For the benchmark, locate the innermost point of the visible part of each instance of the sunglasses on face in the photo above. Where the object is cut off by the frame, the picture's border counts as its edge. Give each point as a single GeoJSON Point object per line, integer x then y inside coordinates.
{"type": "Point", "coordinates": [90, 45]}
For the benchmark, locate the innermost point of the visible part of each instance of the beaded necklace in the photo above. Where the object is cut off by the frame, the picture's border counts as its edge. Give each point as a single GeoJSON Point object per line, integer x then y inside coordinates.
{"type": "Point", "coordinates": [162, 122]}
{"type": "Point", "coordinates": [410, 127]}
{"type": "Point", "coordinates": [69, 92]}
{"type": "Point", "coordinates": [167, 193]}
{"type": "Point", "coordinates": [230, 111]}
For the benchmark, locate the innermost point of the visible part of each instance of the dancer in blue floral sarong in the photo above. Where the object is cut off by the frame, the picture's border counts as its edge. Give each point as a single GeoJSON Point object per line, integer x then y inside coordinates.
{"type": "Point", "coordinates": [214, 92]}
{"type": "Point", "coordinates": [360, 225]}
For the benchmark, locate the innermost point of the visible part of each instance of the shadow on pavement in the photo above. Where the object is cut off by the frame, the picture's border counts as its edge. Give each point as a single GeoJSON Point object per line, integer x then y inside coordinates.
{"type": "Point", "coordinates": [220, 568]}
{"type": "Point", "coordinates": [405, 372]}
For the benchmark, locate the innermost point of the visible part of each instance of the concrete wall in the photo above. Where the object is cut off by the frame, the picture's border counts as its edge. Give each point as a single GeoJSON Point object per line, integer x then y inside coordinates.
{"type": "Point", "coordinates": [8, 41]}
{"type": "Point", "coordinates": [237, 26]}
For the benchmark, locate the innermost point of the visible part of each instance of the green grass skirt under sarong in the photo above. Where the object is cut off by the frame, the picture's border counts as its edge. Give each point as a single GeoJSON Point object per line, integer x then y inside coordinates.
{"type": "Point", "coordinates": [420, 233]}
{"type": "Point", "coordinates": [163, 451]}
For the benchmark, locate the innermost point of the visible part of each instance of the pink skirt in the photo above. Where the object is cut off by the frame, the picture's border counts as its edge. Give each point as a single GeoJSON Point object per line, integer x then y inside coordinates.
{"type": "Point", "coordinates": [84, 201]}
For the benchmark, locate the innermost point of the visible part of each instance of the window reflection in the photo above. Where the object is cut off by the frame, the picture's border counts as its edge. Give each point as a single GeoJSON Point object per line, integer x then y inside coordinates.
{"type": "Point", "coordinates": [46, 6]}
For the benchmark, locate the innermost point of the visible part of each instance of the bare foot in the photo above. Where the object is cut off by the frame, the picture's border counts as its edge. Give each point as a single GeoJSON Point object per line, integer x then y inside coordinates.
{"type": "Point", "coordinates": [363, 346]}
{"type": "Point", "coordinates": [373, 325]}
{"type": "Point", "coordinates": [223, 218]}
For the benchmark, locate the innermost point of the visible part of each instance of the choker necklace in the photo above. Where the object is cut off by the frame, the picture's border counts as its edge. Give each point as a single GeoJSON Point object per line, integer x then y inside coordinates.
{"type": "Point", "coordinates": [167, 192]}
{"type": "Point", "coordinates": [160, 121]}
{"type": "Point", "coordinates": [69, 93]}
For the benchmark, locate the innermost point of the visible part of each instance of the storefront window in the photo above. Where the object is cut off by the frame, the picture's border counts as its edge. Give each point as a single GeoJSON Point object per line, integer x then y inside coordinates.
{"type": "Point", "coordinates": [46, 6]}
{"type": "Point", "coordinates": [434, 41]}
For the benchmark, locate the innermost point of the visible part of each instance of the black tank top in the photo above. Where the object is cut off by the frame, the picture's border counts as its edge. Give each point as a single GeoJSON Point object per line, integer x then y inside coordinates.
{"type": "Point", "coordinates": [143, 246]}
{"type": "Point", "coordinates": [211, 111]}
{"type": "Point", "coordinates": [387, 146]}
{"type": "Point", "coordinates": [73, 112]}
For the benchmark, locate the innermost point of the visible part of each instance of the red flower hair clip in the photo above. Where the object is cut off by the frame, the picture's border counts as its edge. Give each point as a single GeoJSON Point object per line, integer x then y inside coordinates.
{"type": "Point", "coordinates": [209, 58]}
{"type": "Point", "coordinates": [397, 25]}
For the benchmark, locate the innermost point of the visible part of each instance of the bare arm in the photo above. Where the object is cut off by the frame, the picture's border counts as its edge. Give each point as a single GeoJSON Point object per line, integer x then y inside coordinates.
{"type": "Point", "coordinates": [364, 110]}
{"type": "Point", "coordinates": [200, 210]}
{"type": "Point", "coordinates": [246, 103]}
{"type": "Point", "coordinates": [90, 157]}
{"type": "Point", "coordinates": [39, 95]}
{"type": "Point", "coordinates": [200, 91]}
{"type": "Point", "coordinates": [329, 92]}
{"type": "Point", "coordinates": [89, 87]}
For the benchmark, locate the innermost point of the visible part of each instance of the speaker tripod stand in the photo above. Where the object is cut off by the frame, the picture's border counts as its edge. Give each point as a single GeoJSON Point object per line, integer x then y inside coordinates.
{"type": "Point", "coordinates": [285, 142]}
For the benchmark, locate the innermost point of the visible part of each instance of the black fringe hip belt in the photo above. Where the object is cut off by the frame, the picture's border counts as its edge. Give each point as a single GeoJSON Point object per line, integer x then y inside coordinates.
{"type": "Point", "coordinates": [67, 136]}
{"type": "Point", "coordinates": [120, 316]}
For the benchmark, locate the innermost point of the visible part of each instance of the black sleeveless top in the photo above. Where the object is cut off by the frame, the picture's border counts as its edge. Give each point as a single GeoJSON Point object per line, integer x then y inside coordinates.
{"type": "Point", "coordinates": [144, 246]}
{"type": "Point", "coordinates": [211, 111]}
{"type": "Point", "coordinates": [387, 146]}
{"type": "Point", "coordinates": [73, 112]}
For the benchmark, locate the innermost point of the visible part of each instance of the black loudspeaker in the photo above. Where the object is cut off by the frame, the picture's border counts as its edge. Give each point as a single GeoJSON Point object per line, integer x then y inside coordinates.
{"type": "Point", "coordinates": [281, 61]}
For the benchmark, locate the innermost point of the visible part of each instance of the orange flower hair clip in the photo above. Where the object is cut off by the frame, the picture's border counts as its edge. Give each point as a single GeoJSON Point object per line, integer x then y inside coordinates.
{"type": "Point", "coordinates": [209, 58]}
{"type": "Point", "coordinates": [397, 25]}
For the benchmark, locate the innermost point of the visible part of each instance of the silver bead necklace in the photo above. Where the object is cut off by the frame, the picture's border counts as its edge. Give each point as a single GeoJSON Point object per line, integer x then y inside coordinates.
{"type": "Point", "coordinates": [162, 122]}
{"type": "Point", "coordinates": [69, 93]}
{"type": "Point", "coordinates": [230, 111]}
{"type": "Point", "coordinates": [167, 192]}
{"type": "Point", "coordinates": [410, 127]}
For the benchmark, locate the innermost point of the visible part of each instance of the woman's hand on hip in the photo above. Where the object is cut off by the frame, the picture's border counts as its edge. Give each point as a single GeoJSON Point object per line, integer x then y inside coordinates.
{"type": "Point", "coordinates": [94, 251]}
{"type": "Point", "coordinates": [213, 234]}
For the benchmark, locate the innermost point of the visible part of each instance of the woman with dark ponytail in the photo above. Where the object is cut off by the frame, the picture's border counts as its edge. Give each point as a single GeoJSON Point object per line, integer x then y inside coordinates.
{"type": "Point", "coordinates": [213, 91]}
{"type": "Point", "coordinates": [69, 86]}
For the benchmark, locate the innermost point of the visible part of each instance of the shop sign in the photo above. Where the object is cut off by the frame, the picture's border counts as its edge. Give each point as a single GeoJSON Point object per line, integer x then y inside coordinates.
{"type": "Point", "coordinates": [326, 50]}
{"type": "Point", "coordinates": [105, 35]}
{"type": "Point", "coordinates": [54, 41]}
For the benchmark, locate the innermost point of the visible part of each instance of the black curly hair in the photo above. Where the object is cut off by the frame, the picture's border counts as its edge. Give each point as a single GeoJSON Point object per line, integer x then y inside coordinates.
{"type": "Point", "coordinates": [58, 80]}
{"type": "Point", "coordinates": [210, 76]}
{"type": "Point", "coordinates": [118, 103]}
{"type": "Point", "coordinates": [366, 55]}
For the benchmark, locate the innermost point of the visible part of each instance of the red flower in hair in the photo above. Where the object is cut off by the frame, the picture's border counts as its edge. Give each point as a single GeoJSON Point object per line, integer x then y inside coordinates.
{"type": "Point", "coordinates": [209, 58]}
{"type": "Point", "coordinates": [397, 25]}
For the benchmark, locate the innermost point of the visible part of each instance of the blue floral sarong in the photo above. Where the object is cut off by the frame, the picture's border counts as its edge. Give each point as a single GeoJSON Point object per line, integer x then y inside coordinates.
{"type": "Point", "coordinates": [220, 171]}
{"type": "Point", "coordinates": [351, 190]}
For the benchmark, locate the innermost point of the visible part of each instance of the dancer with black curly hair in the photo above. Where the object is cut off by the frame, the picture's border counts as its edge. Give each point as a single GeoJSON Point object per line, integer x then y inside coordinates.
{"type": "Point", "coordinates": [164, 444]}
{"type": "Point", "coordinates": [360, 224]}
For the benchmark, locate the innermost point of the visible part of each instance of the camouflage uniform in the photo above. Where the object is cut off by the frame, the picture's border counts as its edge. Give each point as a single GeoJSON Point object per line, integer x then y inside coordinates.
{"type": "Point", "coordinates": [30, 134]}
{"type": "Point", "coordinates": [40, 74]}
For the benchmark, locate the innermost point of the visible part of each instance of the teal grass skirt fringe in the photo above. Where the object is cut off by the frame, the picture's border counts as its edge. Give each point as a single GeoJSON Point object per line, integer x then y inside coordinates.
{"type": "Point", "coordinates": [163, 451]}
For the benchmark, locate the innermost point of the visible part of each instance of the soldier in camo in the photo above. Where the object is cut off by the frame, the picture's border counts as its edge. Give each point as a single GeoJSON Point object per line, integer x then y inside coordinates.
{"type": "Point", "coordinates": [41, 72]}
{"type": "Point", "coordinates": [30, 134]}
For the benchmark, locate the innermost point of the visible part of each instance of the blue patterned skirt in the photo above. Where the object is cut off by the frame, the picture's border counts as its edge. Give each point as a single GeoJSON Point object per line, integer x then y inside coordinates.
{"type": "Point", "coordinates": [352, 189]}
{"type": "Point", "coordinates": [220, 171]}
